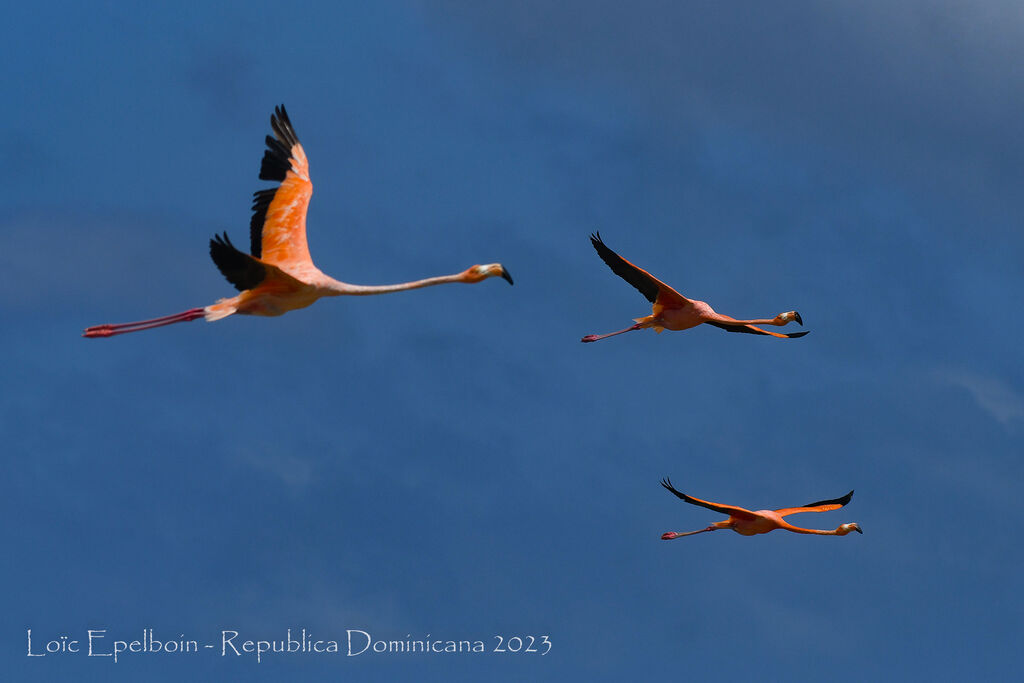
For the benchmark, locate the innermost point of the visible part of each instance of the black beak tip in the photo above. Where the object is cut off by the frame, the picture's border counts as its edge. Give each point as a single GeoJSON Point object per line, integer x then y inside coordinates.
{"type": "Point", "coordinates": [506, 276]}
{"type": "Point", "coordinates": [858, 530]}
{"type": "Point", "coordinates": [797, 317]}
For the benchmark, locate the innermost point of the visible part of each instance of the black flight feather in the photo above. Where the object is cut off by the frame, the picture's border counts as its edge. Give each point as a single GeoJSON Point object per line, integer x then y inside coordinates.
{"type": "Point", "coordinates": [626, 270]}
{"type": "Point", "coordinates": [260, 203]}
{"type": "Point", "coordinates": [838, 501]}
{"type": "Point", "coordinates": [276, 159]}
{"type": "Point", "coordinates": [667, 483]}
{"type": "Point", "coordinates": [240, 269]}
{"type": "Point", "coordinates": [747, 330]}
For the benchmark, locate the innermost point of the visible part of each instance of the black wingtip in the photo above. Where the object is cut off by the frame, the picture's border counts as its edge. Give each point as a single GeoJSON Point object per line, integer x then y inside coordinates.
{"type": "Point", "coordinates": [277, 157]}
{"type": "Point", "coordinates": [844, 500]}
{"type": "Point", "coordinates": [797, 335]}
{"type": "Point", "coordinates": [220, 240]}
{"type": "Point", "coordinates": [667, 483]}
{"type": "Point", "coordinates": [835, 501]}
{"type": "Point", "coordinates": [240, 269]}
{"type": "Point", "coordinates": [641, 280]}
{"type": "Point", "coordinates": [282, 126]}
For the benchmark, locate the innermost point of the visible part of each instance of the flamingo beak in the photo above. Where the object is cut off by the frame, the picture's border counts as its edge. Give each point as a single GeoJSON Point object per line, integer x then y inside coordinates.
{"type": "Point", "coordinates": [506, 276]}
{"type": "Point", "coordinates": [796, 316]}
{"type": "Point", "coordinates": [857, 529]}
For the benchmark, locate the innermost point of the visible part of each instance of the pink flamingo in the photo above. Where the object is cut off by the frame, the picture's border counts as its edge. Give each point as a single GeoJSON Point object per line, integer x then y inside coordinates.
{"type": "Point", "coordinates": [749, 523]}
{"type": "Point", "coordinates": [279, 275]}
{"type": "Point", "coordinates": [672, 310]}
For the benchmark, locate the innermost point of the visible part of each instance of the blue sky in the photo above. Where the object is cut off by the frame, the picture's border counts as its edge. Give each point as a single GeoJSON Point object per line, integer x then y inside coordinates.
{"type": "Point", "coordinates": [453, 461]}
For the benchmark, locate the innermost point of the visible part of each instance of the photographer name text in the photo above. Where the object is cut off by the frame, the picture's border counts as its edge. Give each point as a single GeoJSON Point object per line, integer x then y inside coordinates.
{"type": "Point", "coordinates": [231, 643]}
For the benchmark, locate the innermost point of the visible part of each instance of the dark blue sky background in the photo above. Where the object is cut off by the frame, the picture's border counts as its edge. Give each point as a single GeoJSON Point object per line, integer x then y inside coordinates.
{"type": "Point", "coordinates": [453, 461]}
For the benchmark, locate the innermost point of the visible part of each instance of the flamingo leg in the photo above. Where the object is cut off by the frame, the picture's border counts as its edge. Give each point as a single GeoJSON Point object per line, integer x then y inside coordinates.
{"type": "Point", "coordinates": [109, 330]}
{"type": "Point", "coordinates": [669, 535]}
{"type": "Point", "coordinates": [595, 337]}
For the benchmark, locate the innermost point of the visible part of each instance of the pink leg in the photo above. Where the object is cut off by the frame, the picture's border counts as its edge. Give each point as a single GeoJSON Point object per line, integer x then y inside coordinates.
{"type": "Point", "coordinates": [109, 330]}
{"type": "Point", "coordinates": [594, 337]}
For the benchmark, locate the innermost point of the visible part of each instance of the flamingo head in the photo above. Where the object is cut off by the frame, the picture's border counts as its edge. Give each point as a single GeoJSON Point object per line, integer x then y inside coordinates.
{"type": "Point", "coordinates": [669, 535]}
{"type": "Point", "coordinates": [847, 528]}
{"type": "Point", "coordinates": [480, 273]}
{"type": "Point", "coordinates": [788, 317]}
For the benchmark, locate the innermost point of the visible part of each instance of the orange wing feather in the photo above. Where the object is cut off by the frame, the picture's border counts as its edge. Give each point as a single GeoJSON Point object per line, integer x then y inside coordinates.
{"type": "Point", "coordinates": [282, 230]}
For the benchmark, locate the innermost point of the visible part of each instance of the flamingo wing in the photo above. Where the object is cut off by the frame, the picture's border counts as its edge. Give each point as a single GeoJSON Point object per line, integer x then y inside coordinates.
{"type": "Point", "coordinates": [753, 329]}
{"type": "Point", "coordinates": [820, 506]}
{"type": "Point", "coordinates": [241, 270]}
{"type": "Point", "coordinates": [247, 272]}
{"type": "Point", "coordinates": [277, 229]}
{"type": "Point", "coordinates": [731, 510]}
{"type": "Point", "coordinates": [651, 287]}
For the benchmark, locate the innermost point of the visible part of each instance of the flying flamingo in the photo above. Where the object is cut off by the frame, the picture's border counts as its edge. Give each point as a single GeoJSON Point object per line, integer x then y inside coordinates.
{"type": "Point", "coordinates": [672, 310]}
{"type": "Point", "coordinates": [749, 523]}
{"type": "Point", "coordinates": [280, 276]}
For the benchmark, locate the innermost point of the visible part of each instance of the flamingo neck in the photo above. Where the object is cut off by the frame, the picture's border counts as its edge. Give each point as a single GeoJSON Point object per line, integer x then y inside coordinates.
{"type": "Point", "coordinates": [339, 288]}
{"type": "Point", "coordinates": [821, 532]}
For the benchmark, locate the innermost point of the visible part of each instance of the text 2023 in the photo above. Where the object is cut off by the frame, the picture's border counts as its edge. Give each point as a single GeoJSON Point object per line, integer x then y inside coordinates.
{"type": "Point", "coordinates": [531, 644]}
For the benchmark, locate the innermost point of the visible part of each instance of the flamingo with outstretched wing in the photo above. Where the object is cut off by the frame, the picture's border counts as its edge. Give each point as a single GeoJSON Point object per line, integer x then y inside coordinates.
{"type": "Point", "coordinates": [672, 310]}
{"type": "Point", "coordinates": [278, 275]}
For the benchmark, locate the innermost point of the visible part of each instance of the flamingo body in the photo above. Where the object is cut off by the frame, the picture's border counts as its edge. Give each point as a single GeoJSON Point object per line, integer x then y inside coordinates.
{"type": "Point", "coordinates": [671, 310]}
{"type": "Point", "coordinates": [752, 522]}
{"type": "Point", "coordinates": [665, 316]}
{"type": "Point", "coordinates": [278, 275]}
